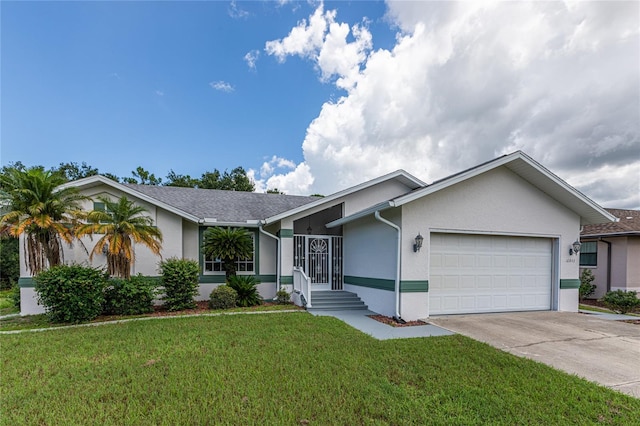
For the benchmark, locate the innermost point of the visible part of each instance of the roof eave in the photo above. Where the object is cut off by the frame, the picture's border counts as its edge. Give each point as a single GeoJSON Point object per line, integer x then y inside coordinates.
{"type": "Point", "coordinates": [358, 215]}
{"type": "Point", "coordinates": [90, 181]}
{"type": "Point", "coordinates": [589, 211]}
{"type": "Point", "coordinates": [406, 178]}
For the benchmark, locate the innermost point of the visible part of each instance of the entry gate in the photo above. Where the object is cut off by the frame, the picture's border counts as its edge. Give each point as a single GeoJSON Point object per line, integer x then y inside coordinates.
{"type": "Point", "coordinates": [320, 256]}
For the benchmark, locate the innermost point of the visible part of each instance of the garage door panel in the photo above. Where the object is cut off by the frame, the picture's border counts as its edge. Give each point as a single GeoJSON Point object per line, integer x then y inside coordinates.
{"type": "Point", "coordinates": [488, 273]}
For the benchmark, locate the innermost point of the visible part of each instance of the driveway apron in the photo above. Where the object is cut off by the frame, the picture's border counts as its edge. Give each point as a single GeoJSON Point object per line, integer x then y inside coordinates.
{"type": "Point", "coordinates": [602, 351]}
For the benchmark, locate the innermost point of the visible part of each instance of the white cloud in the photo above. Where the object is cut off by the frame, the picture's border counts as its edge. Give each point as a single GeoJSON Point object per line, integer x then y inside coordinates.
{"type": "Point", "coordinates": [283, 174]}
{"type": "Point", "coordinates": [222, 86]}
{"type": "Point", "coordinates": [159, 92]}
{"type": "Point", "coordinates": [251, 58]}
{"type": "Point", "coordinates": [305, 38]}
{"type": "Point", "coordinates": [236, 12]}
{"type": "Point", "coordinates": [466, 82]}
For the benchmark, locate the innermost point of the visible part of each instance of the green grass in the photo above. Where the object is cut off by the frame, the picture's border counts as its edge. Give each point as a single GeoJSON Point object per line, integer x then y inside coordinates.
{"type": "Point", "coordinates": [285, 369]}
{"type": "Point", "coordinates": [595, 309]}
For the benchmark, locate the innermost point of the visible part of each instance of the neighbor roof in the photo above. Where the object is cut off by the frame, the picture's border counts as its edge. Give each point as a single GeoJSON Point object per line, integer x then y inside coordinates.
{"type": "Point", "coordinates": [628, 224]}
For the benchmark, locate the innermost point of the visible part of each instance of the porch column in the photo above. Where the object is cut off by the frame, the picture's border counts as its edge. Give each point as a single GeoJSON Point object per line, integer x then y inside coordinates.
{"type": "Point", "coordinates": [286, 253]}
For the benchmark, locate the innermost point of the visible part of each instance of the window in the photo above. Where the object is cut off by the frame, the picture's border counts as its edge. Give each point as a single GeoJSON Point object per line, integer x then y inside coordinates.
{"type": "Point", "coordinates": [246, 265]}
{"type": "Point", "coordinates": [101, 207]}
{"type": "Point", "coordinates": [589, 253]}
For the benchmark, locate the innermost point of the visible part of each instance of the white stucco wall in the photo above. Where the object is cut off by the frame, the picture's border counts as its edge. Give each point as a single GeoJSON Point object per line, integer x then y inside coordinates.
{"type": "Point", "coordinates": [498, 202]}
{"type": "Point", "coordinates": [369, 247]}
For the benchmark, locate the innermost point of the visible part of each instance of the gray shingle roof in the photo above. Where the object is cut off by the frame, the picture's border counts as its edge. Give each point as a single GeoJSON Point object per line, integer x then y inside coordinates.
{"type": "Point", "coordinates": [224, 206]}
{"type": "Point", "coordinates": [629, 223]}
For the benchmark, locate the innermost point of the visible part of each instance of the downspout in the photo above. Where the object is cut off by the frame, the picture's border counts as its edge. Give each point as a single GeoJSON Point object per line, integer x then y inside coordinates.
{"type": "Point", "coordinates": [397, 317]}
{"type": "Point", "coordinates": [608, 243]}
{"type": "Point", "coordinates": [277, 253]}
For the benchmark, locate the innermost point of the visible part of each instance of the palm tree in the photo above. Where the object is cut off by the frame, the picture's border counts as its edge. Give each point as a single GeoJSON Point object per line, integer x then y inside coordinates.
{"type": "Point", "coordinates": [46, 215]}
{"type": "Point", "coordinates": [228, 245]}
{"type": "Point", "coordinates": [122, 223]}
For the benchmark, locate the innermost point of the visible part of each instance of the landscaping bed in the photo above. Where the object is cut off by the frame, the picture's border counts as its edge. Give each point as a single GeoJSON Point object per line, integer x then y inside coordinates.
{"type": "Point", "coordinates": [393, 323]}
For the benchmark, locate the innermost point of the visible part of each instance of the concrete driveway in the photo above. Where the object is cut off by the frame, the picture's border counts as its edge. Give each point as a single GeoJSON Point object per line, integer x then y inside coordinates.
{"type": "Point", "coordinates": [602, 351]}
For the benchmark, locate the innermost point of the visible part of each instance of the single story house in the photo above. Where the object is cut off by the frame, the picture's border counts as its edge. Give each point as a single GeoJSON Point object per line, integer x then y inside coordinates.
{"type": "Point", "coordinates": [493, 238]}
{"type": "Point", "coordinates": [611, 250]}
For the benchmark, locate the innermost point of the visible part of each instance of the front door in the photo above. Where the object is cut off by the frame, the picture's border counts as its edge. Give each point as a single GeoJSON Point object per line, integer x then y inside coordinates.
{"type": "Point", "coordinates": [319, 262]}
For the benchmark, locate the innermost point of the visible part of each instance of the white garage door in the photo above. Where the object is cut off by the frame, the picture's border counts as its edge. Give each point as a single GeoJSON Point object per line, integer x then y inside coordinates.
{"type": "Point", "coordinates": [487, 273]}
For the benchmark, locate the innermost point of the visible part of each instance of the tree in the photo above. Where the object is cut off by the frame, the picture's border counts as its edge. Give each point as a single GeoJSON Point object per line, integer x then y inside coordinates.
{"type": "Point", "coordinates": [184, 181]}
{"type": "Point", "coordinates": [142, 177]}
{"type": "Point", "coordinates": [237, 180]}
{"type": "Point", "coordinates": [122, 223]}
{"type": "Point", "coordinates": [228, 245]}
{"type": "Point", "coordinates": [73, 171]}
{"type": "Point", "coordinates": [45, 214]}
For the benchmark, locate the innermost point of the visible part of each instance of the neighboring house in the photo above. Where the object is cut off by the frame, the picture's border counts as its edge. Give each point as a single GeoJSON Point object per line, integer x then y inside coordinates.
{"type": "Point", "coordinates": [493, 238]}
{"type": "Point", "coordinates": [612, 251]}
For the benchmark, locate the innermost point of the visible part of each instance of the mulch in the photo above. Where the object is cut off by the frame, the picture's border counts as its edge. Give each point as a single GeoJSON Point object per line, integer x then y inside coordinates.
{"type": "Point", "coordinates": [390, 321]}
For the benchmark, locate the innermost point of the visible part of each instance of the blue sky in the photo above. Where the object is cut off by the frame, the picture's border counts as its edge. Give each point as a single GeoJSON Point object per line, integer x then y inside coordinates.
{"type": "Point", "coordinates": [336, 93]}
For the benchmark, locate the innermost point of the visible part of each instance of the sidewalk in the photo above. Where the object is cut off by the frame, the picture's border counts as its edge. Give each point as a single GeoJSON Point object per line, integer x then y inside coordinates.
{"type": "Point", "coordinates": [359, 320]}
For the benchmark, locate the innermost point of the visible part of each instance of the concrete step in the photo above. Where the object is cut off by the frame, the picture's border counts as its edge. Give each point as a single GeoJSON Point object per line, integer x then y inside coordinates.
{"type": "Point", "coordinates": [336, 300]}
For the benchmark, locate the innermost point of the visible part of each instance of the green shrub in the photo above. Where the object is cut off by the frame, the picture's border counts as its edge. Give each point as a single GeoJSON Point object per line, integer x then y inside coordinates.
{"type": "Point", "coordinates": [586, 286]}
{"type": "Point", "coordinates": [15, 295]}
{"type": "Point", "coordinates": [9, 262]}
{"type": "Point", "coordinates": [71, 293]}
{"type": "Point", "coordinates": [180, 283]}
{"type": "Point", "coordinates": [223, 297]}
{"type": "Point", "coordinates": [283, 297]}
{"type": "Point", "coordinates": [130, 297]}
{"type": "Point", "coordinates": [621, 301]}
{"type": "Point", "coordinates": [245, 286]}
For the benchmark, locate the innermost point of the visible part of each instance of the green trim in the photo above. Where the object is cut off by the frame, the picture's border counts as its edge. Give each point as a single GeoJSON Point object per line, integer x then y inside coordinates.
{"type": "Point", "coordinates": [212, 279]}
{"type": "Point", "coordinates": [221, 279]}
{"type": "Point", "coordinates": [414, 286]}
{"type": "Point", "coordinates": [407, 286]}
{"type": "Point", "coordinates": [285, 233]}
{"type": "Point", "coordinates": [26, 282]}
{"type": "Point", "coordinates": [377, 283]}
{"type": "Point", "coordinates": [286, 279]}
{"type": "Point", "coordinates": [569, 283]}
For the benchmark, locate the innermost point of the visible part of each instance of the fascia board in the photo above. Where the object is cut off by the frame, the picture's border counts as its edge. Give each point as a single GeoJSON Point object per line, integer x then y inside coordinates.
{"type": "Point", "coordinates": [359, 215]}
{"type": "Point", "coordinates": [501, 161]}
{"type": "Point", "coordinates": [345, 192]}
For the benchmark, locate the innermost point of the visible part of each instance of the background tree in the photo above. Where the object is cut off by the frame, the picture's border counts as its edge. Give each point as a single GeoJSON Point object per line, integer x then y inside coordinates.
{"type": "Point", "coordinates": [73, 171]}
{"type": "Point", "coordinates": [184, 181]}
{"type": "Point", "coordinates": [237, 180]}
{"type": "Point", "coordinates": [142, 177]}
{"type": "Point", "coordinates": [228, 245]}
{"type": "Point", "coordinates": [275, 191]}
{"type": "Point", "coordinates": [36, 208]}
{"type": "Point", "coordinates": [122, 224]}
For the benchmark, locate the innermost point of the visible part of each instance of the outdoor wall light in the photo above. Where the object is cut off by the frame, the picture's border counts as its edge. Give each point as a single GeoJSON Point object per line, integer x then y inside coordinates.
{"type": "Point", "coordinates": [418, 243]}
{"type": "Point", "coordinates": [575, 248]}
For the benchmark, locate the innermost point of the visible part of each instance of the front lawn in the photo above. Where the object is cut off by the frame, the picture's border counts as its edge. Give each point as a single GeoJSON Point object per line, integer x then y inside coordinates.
{"type": "Point", "coordinates": [282, 368]}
